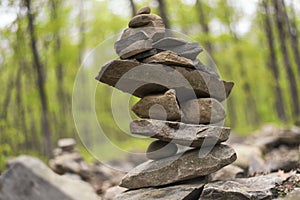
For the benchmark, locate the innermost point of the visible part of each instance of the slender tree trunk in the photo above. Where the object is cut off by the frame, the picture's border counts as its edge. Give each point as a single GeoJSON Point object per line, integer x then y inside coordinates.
{"type": "Point", "coordinates": [37, 64]}
{"type": "Point", "coordinates": [163, 12]}
{"type": "Point", "coordinates": [133, 8]}
{"type": "Point", "coordinates": [7, 98]}
{"type": "Point", "coordinates": [287, 63]}
{"type": "Point", "coordinates": [273, 64]}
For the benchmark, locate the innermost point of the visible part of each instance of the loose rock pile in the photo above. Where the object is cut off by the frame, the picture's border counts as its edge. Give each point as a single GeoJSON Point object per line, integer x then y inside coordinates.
{"type": "Point", "coordinates": [180, 98]}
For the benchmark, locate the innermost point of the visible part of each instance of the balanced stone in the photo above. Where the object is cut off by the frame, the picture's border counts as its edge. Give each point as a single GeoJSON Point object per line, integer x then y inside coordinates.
{"type": "Point", "coordinates": [203, 111]}
{"type": "Point", "coordinates": [144, 54]}
{"type": "Point", "coordinates": [154, 33]}
{"type": "Point", "coordinates": [66, 144]}
{"type": "Point", "coordinates": [144, 10]}
{"type": "Point", "coordinates": [186, 191]}
{"type": "Point", "coordinates": [143, 20]}
{"type": "Point", "coordinates": [162, 107]}
{"type": "Point", "coordinates": [170, 58]}
{"type": "Point", "coordinates": [180, 133]}
{"type": "Point", "coordinates": [144, 79]}
{"type": "Point", "coordinates": [159, 149]}
{"type": "Point", "coordinates": [200, 66]}
{"type": "Point", "coordinates": [123, 43]}
{"type": "Point", "coordinates": [180, 47]}
{"type": "Point", "coordinates": [189, 165]}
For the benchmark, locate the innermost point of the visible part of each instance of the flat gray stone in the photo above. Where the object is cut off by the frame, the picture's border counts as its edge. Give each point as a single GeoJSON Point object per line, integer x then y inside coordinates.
{"type": "Point", "coordinates": [163, 107]}
{"type": "Point", "coordinates": [178, 168]}
{"type": "Point", "coordinates": [258, 188]}
{"type": "Point", "coordinates": [186, 191]}
{"type": "Point", "coordinates": [169, 58]}
{"type": "Point", "coordinates": [154, 33]}
{"type": "Point", "coordinates": [200, 66]}
{"type": "Point", "coordinates": [145, 20]}
{"type": "Point", "coordinates": [136, 48]}
{"type": "Point", "coordinates": [180, 133]}
{"type": "Point", "coordinates": [180, 47]}
{"type": "Point", "coordinates": [144, 54]}
{"type": "Point", "coordinates": [30, 179]}
{"type": "Point", "coordinates": [229, 172]}
{"type": "Point", "coordinates": [144, 10]}
{"type": "Point", "coordinates": [203, 111]}
{"type": "Point", "coordinates": [144, 79]}
{"type": "Point", "coordinates": [159, 149]}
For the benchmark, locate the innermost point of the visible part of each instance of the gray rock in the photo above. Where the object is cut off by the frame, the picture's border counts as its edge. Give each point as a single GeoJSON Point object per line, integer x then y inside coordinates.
{"type": "Point", "coordinates": [30, 179]}
{"type": "Point", "coordinates": [159, 149]}
{"type": "Point", "coordinates": [180, 133]}
{"type": "Point", "coordinates": [180, 47]}
{"type": "Point", "coordinates": [228, 173]}
{"type": "Point", "coordinates": [203, 111]}
{"type": "Point", "coordinates": [144, 10]}
{"type": "Point", "coordinates": [186, 191]}
{"type": "Point", "coordinates": [154, 33]}
{"type": "Point", "coordinates": [242, 189]}
{"type": "Point", "coordinates": [144, 54]}
{"type": "Point", "coordinates": [146, 20]}
{"type": "Point", "coordinates": [169, 58]}
{"type": "Point", "coordinates": [162, 107]}
{"type": "Point", "coordinates": [113, 192]}
{"type": "Point", "coordinates": [294, 195]}
{"type": "Point", "coordinates": [200, 66]}
{"type": "Point", "coordinates": [144, 79]}
{"type": "Point", "coordinates": [66, 144]}
{"type": "Point", "coordinates": [178, 168]}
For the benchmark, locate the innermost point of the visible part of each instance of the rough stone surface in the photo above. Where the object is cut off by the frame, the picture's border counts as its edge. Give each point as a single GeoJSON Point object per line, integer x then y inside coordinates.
{"type": "Point", "coordinates": [200, 66]}
{"type": "Point", "coordinates": [294, 195]}
{"type": "Point", "coordinates": [242, 189]}
{"type": "Point", "coordinates": [180, 133]}
{"type": "Point", "coordinates": [203, 111]}
{"type": "Point", "coordinates": [154, 33]}
{"type": "Point", "coordinates": [162, 107]}
{"type": "Point", "coordinates": [144, 79]}
{"type": "Point", "coordinates": [159, 149]}
{"type": "Point", "coordinates": [180, 47]}
{"type": "Point", "coordinates": [66, 144]}
{"type": "Point", "coordinates": [169, 58]}
{"type": "Point", "coordinates": [186, 191]}
{"type": "Point", "coordinates": [228, 173]}
{"type": "Point", "coordinates": [30, 179]}
{"type": "Point", "coordinates": [191, 164]}
{"type": "Point", "coordinates": [136, 48]}
{"type": "Point", "coordinates": [145, 20]}
{"type": "Point", "coordinates": [144, 10]}
{"type": "Point", "coordinates": [113, 192]}
{"type": "Point", "coordinates": [144, 54]}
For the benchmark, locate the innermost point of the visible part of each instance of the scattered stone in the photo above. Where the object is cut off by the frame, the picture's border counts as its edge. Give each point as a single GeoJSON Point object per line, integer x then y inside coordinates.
{"type": "Point", "coordinates": [203, 111]}
{"type": "Point", "coordinates": [259, 187]}
{"type": "Point", "coordinates": [144, 10]}
{"type": "Point", "coordinates": [186, 191]}
{"type": "Point", "coordinates": [162, 107]}
{"type": "Point", "coordinates": [146, 20]}
{"type": "Point", "coordinates": [191, 164]}
{"type": "Point", "coordinates": [180, 47]}
{"type": "Point", "coordinates": [113, 192]}
{"type": "Point", "coordinates": [180, 133]}
{"type": "Point", "coordinates": [159, 149]}
{"type": "Point", "coordinates": [29, 179]}
{"type": "Point", "coordinates": [66, 144]}
{"type": "Point", "coordinates": [200, 66]}
{"type": "Point", "coordinates": [228, 173]}
{"type": "Point", "coordinates": [169, 58]}
{"type": "Point", "coordinates": [144, 79]}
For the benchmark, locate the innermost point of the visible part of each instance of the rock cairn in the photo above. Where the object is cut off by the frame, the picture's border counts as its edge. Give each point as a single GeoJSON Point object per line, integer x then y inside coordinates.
{"type": "Point", "coordinates": [180, 98]}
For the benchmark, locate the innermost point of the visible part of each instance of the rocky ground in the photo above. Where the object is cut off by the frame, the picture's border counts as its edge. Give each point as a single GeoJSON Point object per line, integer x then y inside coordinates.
{"type": "Point", "coordinates": [267, 167]}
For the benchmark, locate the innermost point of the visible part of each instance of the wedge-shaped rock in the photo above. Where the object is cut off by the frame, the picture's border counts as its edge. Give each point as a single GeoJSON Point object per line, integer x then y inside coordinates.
{"type": "Point", "coordinates": [169, 58]}
{"type": "Point", "coordinates": [144, 79]}
{"type": "Point", "coordinates": [186, 191]}
{"type": "Point", "coordinates": [200, 66]}
{"type": "Point", "coordinates": [180, 133]}
{"type": "Point", "coordinates": [162, 107]}
{"type": "Point", "coordinates": [173, 169]}
{"type": "Point", "coordinates": [154, 33]}
{"type": "Point", "coordinates": [259, 187]}
{"type": "Point", "coordinates": [160, 149]}
{"type": "Point", "coordinates": [180, 47]}
{"type": "Point", "coordinates": [203, 111]}
{"type": "Point", "coordinates": [143, 20]}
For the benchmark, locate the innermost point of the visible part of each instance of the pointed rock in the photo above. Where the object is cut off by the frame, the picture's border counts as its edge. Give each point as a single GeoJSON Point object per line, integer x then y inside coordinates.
{"type": "Point", "coordinates": [144, 10]}
{"type": "Point", "coordinates": [180, 133]}
{"type": "Point", "coordinates": [173, 169]}
{"type": "Point", "coordinates": [162, 107]}
{"type": "Point", "coordinates": [186, 191]}
{"type": "Point", "coordinates": [159, 149]}
{"type": "Point", "coordinates": [180, 47]}
{"type": "Point", "coordinates": [203, 111]}
{"type": "Point", "coordinates": [144, 79]}
{"type": "Point", "coordinates": [169, 58]}
{"type": "Point", "coordinates": [200, 66]}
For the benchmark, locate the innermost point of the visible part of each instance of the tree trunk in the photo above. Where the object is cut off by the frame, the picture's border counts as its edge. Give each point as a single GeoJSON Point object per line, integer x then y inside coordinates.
{"type": "Point", "coordinates": [163, 13]}
{"type": "Point", "coordinates": [38, 67]}
{"type": "Point", "coordinates": [273, 64]}
{"type": "Point", "coordinates": [287, 63]}
{"type": "Point", "coordinates": [133, 8]}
